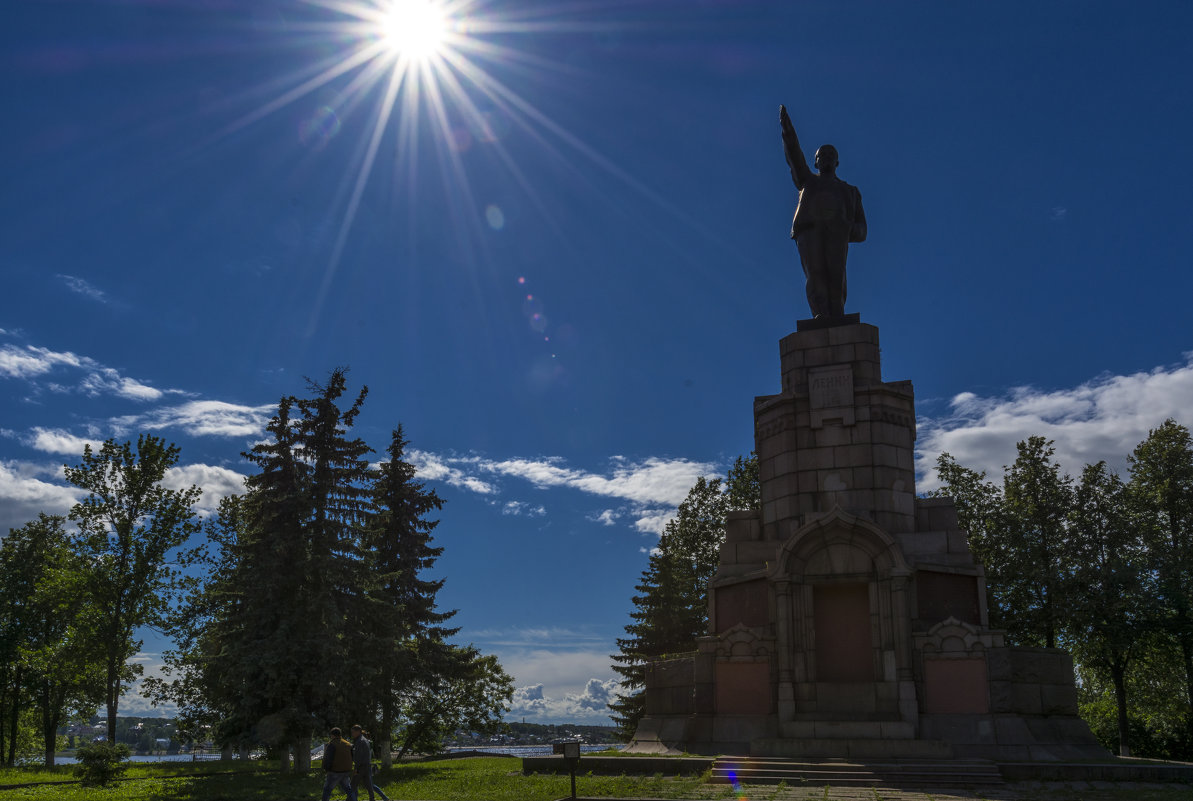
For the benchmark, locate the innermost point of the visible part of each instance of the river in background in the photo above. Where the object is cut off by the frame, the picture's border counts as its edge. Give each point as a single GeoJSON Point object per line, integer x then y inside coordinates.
{"type": "Point", "coordinates": [532, 750]}
{"type": "Point", "coordinates": [503, 750]}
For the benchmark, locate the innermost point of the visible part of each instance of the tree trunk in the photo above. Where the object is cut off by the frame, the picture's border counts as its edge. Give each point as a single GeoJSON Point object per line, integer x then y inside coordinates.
{"type": "Point", "coordinates": [112, 699]}
{"type": "Point", "coordinates": [226, 752]}
{"type": "Point", "coordinates": [49, 724]}
{"type": "Point", "coordinates": [302, 755]}
{"type": "Point", "coordinates": [15, 721]}
{"type": "Point", "coordinates": [1187, 653]}
{"type": "Point", "coordinates": [243, 751]}
{"type": "Point", "coordinates": [284, 759]}
{"type": "Point", "coordinates": [385, 737]}
{"type": "Point", "coordinates": [1118, 675]}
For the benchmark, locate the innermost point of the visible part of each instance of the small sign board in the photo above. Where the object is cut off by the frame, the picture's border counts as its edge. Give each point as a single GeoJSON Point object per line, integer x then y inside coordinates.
{"type": "Point", "coordinates": [569, 750]}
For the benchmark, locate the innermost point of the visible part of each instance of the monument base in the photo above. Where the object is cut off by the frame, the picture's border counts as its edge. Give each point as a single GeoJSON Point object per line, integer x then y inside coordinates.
{"type": "Point", "coordinates": [817, 323]}
{"type": "Point", "coordinates": [848, 617]}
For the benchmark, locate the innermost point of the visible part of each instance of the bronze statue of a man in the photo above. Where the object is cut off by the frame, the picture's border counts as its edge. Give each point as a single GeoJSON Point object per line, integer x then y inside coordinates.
{"type": "Point", "coordinates": [827, 218]}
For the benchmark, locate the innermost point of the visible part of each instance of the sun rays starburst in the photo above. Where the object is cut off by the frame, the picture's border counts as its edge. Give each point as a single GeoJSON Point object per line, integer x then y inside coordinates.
{"type": "Point", "coordinates": [394, 71]}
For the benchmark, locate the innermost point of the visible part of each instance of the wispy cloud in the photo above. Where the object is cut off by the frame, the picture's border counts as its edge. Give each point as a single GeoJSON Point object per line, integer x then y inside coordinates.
{"type": "Point", "coordinates": [201, 418]}
{"type": "Point", "coordinates": [81, 286]}
{"type": "Point", "coordinates": [521, 508]}
{"type": "Point", "coordinates": [651, 488]}
{"type": "Point", "coordinates": [536, 637]}
{"type": "Point", "coordinates": [106, 381]}
{"type": "Point", "coordinates": [29, 362]}
{"type": "Point", "coordinates": [432, 467]}
{"type": "Point", "coordinates": [606, 517]}
{"type": "Point", "coordinates": [1101, 419]}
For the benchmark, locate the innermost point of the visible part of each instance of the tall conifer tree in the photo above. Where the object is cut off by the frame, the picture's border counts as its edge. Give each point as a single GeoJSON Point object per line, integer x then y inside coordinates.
{"type": "Point", "coordinates": [401, 605]}
{"type": "Point", "coordinates": [671, 609]}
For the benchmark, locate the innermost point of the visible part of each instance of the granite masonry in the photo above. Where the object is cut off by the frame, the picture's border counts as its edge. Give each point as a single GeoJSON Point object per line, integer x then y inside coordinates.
{"type": "Point", "coordinates": [848, 617]}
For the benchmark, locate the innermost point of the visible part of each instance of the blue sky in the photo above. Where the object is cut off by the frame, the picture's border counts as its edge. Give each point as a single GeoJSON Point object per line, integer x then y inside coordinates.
{"type": "Point", "coordinates": [560, 258]}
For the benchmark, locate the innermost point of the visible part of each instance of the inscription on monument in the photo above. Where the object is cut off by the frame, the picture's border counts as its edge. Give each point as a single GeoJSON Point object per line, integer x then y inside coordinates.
{"type": "Point", "coordinates": [831, 386]}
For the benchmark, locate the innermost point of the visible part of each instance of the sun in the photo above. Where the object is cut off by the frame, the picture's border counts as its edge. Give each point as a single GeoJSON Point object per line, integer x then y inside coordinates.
{"type": "Point", "coordinates": [415, 29]}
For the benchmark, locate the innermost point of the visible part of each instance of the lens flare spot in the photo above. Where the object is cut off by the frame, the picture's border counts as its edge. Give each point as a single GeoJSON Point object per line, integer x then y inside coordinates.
{"type": "Point", "coordinates": [320, 128]}
{"type": "Point", "coordinates": [521, 279]}
{"type": "Point", "coordinates": [538, 322]}
{"type": "Point", "coordinates": [532, 306]}
{"type": "Point", "coordinates": [495, 216]}
{"type": "Point", "coordinates": [461, 140]}
{"type": "Point", "coordinates": [489, 127]}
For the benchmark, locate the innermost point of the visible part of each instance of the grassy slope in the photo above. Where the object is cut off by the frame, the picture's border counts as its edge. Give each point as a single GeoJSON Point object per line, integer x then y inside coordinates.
{"type": "Point", "coordinates": [481, 779]}
{"type": "Point", "coordinates": [488, 779]}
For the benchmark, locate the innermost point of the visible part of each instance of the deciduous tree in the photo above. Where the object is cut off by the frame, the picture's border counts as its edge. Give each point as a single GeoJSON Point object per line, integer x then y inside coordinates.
{"type": "Point", "coordinates": [1162, 485]}
{"type": "Point", "coordinates": [131, 533]}
{"type": "Point", "coordinates": [1110, 608]}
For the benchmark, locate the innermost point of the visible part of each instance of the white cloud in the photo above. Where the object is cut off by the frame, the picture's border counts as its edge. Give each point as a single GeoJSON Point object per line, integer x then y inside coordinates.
{"type": "Point", "coordinates": [29, 362]}
{"type": "Point", "coordinates": [557, 684]}
{"type": "Point", "coordinates": [216, 483]}
{"type": "Point", "coordinates": [132, 702]}
{"type": "Point", "coordinates": [431, 467]}
{"type": "Point", "coordinates": [82, 287]}
{"type": "Point", "coordinates": [521, 508]}
{"type": "Point", "coordinates": [106, 381]}
{"type": "Point", "coordinates": [654, 480]}
{"type": "Point", "coordinates": [653, 521]}
{"type": "Point", "coordinates": [201, 418]}
{"type": "Point", "coordinates": [554, 669]}
{"type": "Point", "coordinates": [24, 493]}
{"type": "Point", "coordinates": [643, 485]}
{"type": "Point", "coordinates": [589, 705]}
{"type": "Point", "coordinates": [55, 440]}
{"type": "Point", "coordinates": [608, 517]}
{"type": "Point", "coordinates": [1101, 419]}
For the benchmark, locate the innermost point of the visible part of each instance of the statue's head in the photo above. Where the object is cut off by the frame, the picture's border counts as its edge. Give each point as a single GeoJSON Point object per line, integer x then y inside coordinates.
{"type": "Point", "coordinates": [826, 158]}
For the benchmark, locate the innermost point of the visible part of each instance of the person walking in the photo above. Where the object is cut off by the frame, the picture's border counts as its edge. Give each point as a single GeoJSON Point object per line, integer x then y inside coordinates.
{"type": "Point", "coordinates": [337, 762]}
{"type": "Point", "coordinates": [362, 764]}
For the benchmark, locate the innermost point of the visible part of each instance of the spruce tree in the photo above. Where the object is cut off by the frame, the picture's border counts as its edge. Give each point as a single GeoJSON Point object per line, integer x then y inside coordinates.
{"type": "Point", "coordinates": [671, 610]}
{"type": "Point", "coordinates": [400, 608]}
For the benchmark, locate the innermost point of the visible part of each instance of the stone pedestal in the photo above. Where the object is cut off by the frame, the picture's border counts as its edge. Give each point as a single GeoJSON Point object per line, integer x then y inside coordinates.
{"type": "Point", "coordinates": [848, 616]}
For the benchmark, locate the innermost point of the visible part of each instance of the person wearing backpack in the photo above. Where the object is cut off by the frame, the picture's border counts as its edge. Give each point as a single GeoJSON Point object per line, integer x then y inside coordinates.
{"type": "Point", "coordinates": [362, 763]}
{"type": "Point", "coordinates": [337, 762]}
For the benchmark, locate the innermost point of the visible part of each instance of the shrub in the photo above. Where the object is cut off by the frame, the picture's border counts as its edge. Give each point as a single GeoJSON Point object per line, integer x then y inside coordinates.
{"type": "Point", "coordinates": [100, 763]}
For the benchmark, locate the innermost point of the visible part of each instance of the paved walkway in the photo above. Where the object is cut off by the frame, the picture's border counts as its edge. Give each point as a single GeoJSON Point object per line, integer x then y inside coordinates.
{"type": "Point", "coordinates": [1033, 791]}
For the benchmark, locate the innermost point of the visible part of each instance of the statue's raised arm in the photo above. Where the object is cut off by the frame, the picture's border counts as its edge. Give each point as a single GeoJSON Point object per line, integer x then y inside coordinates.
{"type": "Point", "coordinates": [792, 150]}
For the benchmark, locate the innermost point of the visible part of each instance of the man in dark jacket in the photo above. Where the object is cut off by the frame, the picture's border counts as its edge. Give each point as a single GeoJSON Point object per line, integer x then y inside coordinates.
{"type": "Point", "coordinates": [362, 764]}
{"type": "Point", "coordinates": [337, 762]}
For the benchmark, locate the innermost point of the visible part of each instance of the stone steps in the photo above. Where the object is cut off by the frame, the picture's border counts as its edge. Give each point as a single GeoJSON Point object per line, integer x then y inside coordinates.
{"type": "Point", "coordinates": [902, 773]}
{"type": "Point", "coordinates": [851, 748]}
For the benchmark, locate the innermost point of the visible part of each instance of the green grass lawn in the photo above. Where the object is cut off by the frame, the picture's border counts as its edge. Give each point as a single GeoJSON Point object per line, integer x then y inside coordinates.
{"type": "Point", "coordinates": [491, 779]}
{"type": "Point", "coordinates": [479, 779]}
